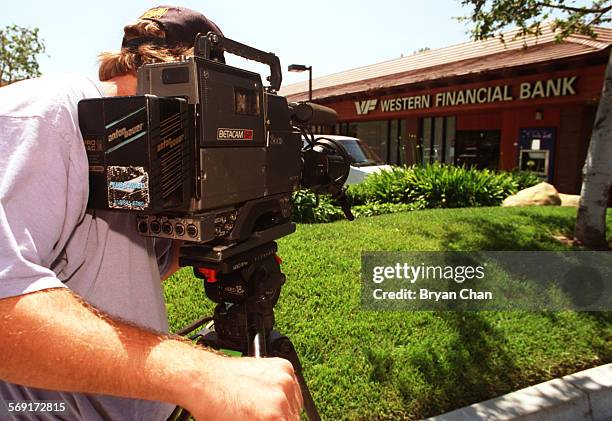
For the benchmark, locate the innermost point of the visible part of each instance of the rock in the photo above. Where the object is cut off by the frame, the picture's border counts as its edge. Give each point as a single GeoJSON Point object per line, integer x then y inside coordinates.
{"type": "Point", "coordinates": [542, 194]}
{"type": "Point", "coordinates": [569, 199]}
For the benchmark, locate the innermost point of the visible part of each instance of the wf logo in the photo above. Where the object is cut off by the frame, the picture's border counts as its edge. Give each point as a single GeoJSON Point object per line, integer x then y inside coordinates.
{"type": "Point", "coordinates": [364, 107]}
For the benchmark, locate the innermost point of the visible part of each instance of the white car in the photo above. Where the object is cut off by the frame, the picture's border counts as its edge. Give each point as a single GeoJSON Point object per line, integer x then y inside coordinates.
{"type": "Point", "coordinates": [364, 160]}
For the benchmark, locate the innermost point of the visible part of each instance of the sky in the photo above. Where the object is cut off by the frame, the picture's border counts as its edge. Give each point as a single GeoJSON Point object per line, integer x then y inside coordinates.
{"type": "Point", "coordinates": [331, 36]}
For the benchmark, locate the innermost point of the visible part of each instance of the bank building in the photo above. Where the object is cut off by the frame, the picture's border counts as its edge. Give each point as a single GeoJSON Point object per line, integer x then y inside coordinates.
{"type": "Point", "coordinates": [528, 104]}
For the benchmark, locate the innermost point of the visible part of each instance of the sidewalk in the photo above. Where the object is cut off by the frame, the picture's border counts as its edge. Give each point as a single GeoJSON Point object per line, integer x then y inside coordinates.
{"type": "Point", "coordinates": [586, 395]}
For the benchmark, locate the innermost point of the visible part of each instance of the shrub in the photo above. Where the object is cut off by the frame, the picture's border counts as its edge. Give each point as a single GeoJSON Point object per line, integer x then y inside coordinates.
{"type": "Point", "coordinates": [359, 194]}
{"type": "Point", "coordinates": [305, 209]}
{"type": "Point", "coordinates": [387, 186]}
{"type": "Point", "coordinates": [444, 186]}
{"type": "Point", "coordinates": [410, 188]}
{"type": "Point", "coordinates": [525, 178]}
{"type": "Point", "coordinates": [372, 209]}
{"type": "Point", "coordinates": [440, 186]}
{"type": "Point", "coordinates": [308, 209]}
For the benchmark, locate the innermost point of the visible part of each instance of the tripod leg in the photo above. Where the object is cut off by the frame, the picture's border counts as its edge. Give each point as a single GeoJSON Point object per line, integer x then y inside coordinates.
{"type": "Point", "coordinates": [282, 347]}
{"type": "Point", "coordinates": [257, 336]}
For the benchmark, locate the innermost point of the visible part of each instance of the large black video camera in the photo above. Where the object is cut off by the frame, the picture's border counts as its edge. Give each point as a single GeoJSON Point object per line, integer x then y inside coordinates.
{"type": "Point", "coordinates": [204, 153]}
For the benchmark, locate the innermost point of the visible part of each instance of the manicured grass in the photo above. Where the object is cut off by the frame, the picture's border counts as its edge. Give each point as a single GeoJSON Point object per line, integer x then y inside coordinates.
{"type": "Point", "coordinates": [363, 365]}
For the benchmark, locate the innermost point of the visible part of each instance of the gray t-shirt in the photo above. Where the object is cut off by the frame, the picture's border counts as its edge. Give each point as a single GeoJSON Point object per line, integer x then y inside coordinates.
{"type": "Point", "coordinates": [48, 238]}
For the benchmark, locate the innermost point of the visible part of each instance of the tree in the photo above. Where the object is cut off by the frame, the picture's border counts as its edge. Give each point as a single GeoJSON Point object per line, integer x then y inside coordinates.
{"type": "Point", "coordinates": [19, 47]}
{"type": "Point", "coordinates": [491, 16]}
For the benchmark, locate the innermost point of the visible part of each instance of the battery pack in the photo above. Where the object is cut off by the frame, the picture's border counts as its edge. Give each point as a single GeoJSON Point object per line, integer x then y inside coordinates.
{"type": "Point", "coordinates": [140, 151]}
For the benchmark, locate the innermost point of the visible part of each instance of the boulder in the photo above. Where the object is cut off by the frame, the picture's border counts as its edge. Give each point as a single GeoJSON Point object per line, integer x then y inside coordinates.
{"type": "Point", "coordinates": [569, 199]}
{"type": "Point", "coordinates": [542, 194]}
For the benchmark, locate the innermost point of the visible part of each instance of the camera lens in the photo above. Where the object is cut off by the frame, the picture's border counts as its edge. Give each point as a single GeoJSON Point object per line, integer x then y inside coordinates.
{"type": "Point", "coordinates": [155, 227]}
{"type": "Point", "coordinates": [179, 229]}
{"type": "Point", "coordinates": [143, 227]}
{"type": "Point", "coordinates": [192, 230]}
{"type": "Point", "coordinates": [167, 228]}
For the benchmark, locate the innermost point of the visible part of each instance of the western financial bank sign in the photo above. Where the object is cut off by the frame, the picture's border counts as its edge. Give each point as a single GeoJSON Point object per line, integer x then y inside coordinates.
{"type": "Point", "coordinates": [527, 90]}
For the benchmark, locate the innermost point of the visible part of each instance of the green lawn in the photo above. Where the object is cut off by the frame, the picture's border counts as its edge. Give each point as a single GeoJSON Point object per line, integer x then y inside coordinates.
{"type": "Point", "coordinates": [364, 365]}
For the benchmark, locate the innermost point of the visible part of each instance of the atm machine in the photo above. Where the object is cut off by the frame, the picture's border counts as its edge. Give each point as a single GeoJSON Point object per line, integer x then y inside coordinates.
{"type": "Point", "coordinates": [537, 152]}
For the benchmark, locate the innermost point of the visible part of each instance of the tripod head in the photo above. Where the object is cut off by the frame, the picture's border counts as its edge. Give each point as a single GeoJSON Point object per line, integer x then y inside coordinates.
{"type": "Point", "coordinates": [245, 281]}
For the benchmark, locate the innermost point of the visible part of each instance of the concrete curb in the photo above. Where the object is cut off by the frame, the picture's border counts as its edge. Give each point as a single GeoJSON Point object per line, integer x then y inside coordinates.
{"type": "Point", "coordinates": [586, 395]}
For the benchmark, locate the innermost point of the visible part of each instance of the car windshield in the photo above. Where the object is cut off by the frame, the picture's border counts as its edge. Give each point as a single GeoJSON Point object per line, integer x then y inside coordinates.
{"type": "Point", "coordinates": [361, 153]}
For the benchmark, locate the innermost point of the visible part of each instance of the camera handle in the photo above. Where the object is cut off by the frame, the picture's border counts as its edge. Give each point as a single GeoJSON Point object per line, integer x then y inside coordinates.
{"type": "Point", "coordinates": [204, 43]}
{"type": "Point", "coordinates": [246, 286]}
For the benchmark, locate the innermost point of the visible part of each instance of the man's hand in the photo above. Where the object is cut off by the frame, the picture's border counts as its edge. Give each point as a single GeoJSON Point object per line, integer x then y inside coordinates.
{"type": "Point", "coordinates": [87, 351]}
{"type": "Point", "coordinates": [246, 389]}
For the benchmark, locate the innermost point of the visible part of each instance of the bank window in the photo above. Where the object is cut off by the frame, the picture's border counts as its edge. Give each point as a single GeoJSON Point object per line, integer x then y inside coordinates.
{"type": "Point", "coordinates": [436, 140]}
{"type": "Point", "coordinates": [449, 139]}
{"type": "Point", "coordinates": [425, 144]}
{"type": "Point", "coordinates": [396, 152]}
{"type": "Point", "coordinates": [374, 133]}
{"type": "Point", "coordinates": [322, 129]}
{"type": "Point", "coordinates": [385, 137]}
{"type": "Point", "coordinates": [478, 148]}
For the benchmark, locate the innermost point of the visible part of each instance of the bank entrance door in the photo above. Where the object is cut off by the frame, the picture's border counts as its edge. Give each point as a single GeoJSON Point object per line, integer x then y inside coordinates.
{"type": "Point", "coordinates": [536, 151]}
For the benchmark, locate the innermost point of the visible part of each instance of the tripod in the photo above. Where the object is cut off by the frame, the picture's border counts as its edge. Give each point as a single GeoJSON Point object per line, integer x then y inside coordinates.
{"type": "Point", "coordinates": [245, 282]}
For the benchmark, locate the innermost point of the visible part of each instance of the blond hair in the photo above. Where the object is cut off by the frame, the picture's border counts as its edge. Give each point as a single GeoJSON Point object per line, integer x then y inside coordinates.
{"type": "Point", "coordinates": [129, 59]}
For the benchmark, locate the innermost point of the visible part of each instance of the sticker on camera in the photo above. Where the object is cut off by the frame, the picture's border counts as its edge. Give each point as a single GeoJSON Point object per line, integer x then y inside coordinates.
{"type": "Point", "coordinates": [234, 134]}
{"type": "Point", "coordinates": [128, 188]}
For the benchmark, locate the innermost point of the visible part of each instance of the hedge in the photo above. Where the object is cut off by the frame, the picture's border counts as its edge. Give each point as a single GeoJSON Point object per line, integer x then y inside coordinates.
{"type": "Point", "coordinates": [411, 188]}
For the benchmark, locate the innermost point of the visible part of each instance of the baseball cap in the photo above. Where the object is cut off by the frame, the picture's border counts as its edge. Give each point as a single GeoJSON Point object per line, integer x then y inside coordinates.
{"type": "Point", "coordinates": [181, 26]}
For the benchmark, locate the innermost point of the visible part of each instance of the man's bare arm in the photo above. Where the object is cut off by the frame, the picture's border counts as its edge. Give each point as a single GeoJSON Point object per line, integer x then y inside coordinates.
{"type": "Point", "coordinates": [52, 340]}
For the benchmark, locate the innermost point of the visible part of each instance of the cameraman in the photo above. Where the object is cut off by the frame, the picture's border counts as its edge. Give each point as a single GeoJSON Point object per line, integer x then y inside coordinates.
{"type": "Point", "coordinates": [81, 303]}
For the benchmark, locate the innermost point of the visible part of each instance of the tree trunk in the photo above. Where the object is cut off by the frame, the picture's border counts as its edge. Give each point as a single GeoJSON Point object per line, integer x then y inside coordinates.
{"type": "Point", "coordinates": [597, 173]}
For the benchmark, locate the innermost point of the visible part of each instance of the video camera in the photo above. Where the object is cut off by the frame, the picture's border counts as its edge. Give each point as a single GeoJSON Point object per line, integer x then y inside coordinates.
{"type": "Point", "coordinates": [204, 152]}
